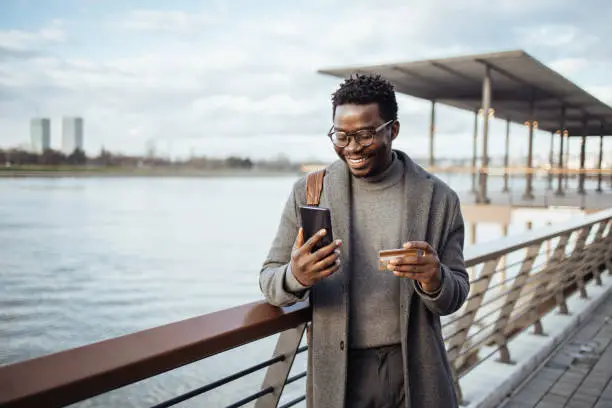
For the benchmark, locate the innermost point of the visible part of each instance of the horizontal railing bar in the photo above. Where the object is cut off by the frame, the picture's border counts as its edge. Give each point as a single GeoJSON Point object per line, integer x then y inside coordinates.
{"type": "Point", "coordinates": [293, 402]}
{"type": "Point", "coordinates": [505, 269]}
{"type": "Point", "coordinates": [209, 387]}
{"type": "Point", "coordinates": [540, 278]}
{"type": "Point", "coordinates": [251, 397]}
{"type": "Point", "coordinates": [475, 345]}
{"type": "Point", "coordinates": [477, 294]}
{"type": "Point", "coordinates": [481, 360]}
{"type": "Point", "coordinates": [563, 284]}
{"type": "Point", "coordinates": [546, 298]}
{"type": "Point", "coordinates": [470, 337]}
{"type": "Point", "coordinates": [296, 377]}
{"type": "Point", "coordinates": [301, 349]}
{"type": "Point", "coordinates": [100, 367]}
{"type": "Point", "coordinates": [477, 254]}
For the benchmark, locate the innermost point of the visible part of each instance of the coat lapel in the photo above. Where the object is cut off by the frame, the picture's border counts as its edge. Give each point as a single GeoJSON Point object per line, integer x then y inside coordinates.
{"type": "Point", "coordinates": [337, 197]}
{"type": "Point", "coordinates": [418, 192]}
{"type": "Point", "coordinates": [330, 317]}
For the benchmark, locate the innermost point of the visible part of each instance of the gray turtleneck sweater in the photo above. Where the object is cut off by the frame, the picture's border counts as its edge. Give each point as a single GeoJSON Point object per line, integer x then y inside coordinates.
{"type": "Point", "coordinates": [374, 294]}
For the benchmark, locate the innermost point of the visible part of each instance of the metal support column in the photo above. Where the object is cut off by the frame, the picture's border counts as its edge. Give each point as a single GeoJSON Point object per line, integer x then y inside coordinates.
{"type": "Point", "coordinates": [528, 195]}
{"type": "Point", "coordinates": [432, 132]}
{"type": "Point", "coordinates": [507, 157]}
{"type": "Point", "coordinates": [486, 107]}
{"type": "Point", "coordinates": [582, 175]}
{"type": "Point", "coordinates": [561, 159]}
{"type": "Point", "coordinates": [567, 157]}
{"type": "Point", "coordinates": [550, 161]}
{"type": "Point", "coordinates": [600, 159]}
{"type": "Point", "coordinates": [475, 153]}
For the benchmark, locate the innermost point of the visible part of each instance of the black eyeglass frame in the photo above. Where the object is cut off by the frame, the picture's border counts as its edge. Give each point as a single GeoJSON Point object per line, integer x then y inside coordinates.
{"type": "Point", "coordinates": [359, 137]}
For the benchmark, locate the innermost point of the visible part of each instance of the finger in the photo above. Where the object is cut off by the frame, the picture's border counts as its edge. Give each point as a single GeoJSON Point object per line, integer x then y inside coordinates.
{"type": "Point", "coordinates": [409, 275]}
{"type": "Point", "coordinates": [299, 240]}
{"type": "Point", "coordinates": [413, 260]}
{"type": "Point", "coordinates": [416, 269]}
{"type": "Point", "coordinates": [328, 271]}
{"type": "Point", "coordinates": [309, 245]}
{"type": "Point", "coordinates": [327, 261]}
{"type": "Point", "coordinates": [326, 250]}
{"type": "Point", "coordinates": [419, 245]}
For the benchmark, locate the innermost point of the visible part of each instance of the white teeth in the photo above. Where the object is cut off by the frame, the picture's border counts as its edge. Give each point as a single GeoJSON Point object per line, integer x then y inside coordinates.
{"type": "Point", "coordinates": [357, 161]}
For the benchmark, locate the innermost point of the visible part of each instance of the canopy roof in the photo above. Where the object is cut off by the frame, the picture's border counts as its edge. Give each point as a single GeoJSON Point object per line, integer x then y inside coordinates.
{"type": "Point", "coordinates": [517, 79]}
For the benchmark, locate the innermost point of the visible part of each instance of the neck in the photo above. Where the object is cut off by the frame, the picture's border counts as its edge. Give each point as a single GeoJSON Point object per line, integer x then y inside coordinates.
{"type": "Point", "coordinates": [384, 167]}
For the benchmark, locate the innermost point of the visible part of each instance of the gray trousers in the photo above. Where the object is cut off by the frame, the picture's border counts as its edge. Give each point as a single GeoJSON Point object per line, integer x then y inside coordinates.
{"type": "Point", "coordinates": [375, 378]}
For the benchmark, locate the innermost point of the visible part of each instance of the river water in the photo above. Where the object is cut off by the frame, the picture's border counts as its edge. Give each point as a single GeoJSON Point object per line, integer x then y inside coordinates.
{"type": "Point", "coordinates": [86, 259]}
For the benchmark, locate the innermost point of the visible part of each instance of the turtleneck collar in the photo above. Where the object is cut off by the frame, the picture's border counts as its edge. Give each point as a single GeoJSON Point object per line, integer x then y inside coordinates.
{"type": "Point", "coordinates": [391, 176]}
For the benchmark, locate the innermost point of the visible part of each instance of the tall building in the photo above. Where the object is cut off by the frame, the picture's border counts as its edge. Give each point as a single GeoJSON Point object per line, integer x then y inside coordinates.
{"type": "Point", "coordinates": [72, 134]}
{"type": "Point", "coordinates": [40, 134]}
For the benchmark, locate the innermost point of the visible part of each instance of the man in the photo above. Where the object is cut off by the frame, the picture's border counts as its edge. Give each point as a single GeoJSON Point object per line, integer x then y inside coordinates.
{"type": "Point", "coordinates": [376, 337]}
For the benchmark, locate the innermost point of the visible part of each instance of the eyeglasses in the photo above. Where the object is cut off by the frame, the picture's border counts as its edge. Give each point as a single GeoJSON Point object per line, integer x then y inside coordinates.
{"type": "Point", "coordinates": [364, 137]}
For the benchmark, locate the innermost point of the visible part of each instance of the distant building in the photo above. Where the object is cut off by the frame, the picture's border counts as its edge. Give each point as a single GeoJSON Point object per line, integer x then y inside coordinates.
{"type": "Point", "coordinates": [40, 134]}
{"type": "Point", "coordinates": [72, 134]}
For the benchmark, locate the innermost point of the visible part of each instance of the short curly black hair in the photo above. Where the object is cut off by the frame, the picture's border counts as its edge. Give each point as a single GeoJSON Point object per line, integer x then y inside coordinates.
{"type": "Point", "coordinates": [363, 89]}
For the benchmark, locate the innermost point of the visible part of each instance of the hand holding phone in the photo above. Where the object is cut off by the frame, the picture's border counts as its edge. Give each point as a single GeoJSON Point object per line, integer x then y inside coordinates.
{"type": "Point", "coordinates": [318, 256]}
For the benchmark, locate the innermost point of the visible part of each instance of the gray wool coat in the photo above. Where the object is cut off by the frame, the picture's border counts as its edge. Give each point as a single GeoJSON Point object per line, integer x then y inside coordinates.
{"type": "Point", "coordinates": [431, 213]}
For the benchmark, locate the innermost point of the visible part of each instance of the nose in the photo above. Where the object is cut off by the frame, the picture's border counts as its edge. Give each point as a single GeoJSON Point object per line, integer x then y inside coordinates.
{"type": "Point", "coordinates": [353, 146]}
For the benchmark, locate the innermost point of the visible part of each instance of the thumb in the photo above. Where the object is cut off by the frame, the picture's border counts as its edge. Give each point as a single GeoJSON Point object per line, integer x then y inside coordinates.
{"type": "Point", "coordinates": [299, 240]}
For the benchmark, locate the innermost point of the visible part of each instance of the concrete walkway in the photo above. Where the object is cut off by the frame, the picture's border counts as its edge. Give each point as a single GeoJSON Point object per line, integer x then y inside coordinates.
{"type": "Point", "coordinates": [578, 374]}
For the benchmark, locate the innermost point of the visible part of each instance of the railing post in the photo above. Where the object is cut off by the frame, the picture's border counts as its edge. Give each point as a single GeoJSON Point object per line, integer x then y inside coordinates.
{"type": "Point", "coordinates": [551, 275]}
{"type": "Point", "coordinates": [607, 249]}
{"type": "Point", "coordinates": [456, 384]}
{"type": "Point", "coordinates": [594, 252]}
{"type": "Point", "coordinates": [559, 278]}
{"type": "Point", "coordinates": [511, 299]}
{"type": "Point", "coordinates": [277, 374]}
{"type": "Point", "coordinates": [578, 260]}
{"type": "Point", "coordinates": [463, 324]}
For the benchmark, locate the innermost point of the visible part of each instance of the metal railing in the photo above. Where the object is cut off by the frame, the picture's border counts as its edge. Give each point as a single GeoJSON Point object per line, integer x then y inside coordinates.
{"type": "Point", "coordinates": [517, 280]}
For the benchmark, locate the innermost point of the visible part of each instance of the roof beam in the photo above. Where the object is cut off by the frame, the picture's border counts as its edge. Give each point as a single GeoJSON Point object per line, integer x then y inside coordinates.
{"type": "Point", "coordinates": [454, 72]}
{"type": "Point", "coordinates": [433, 82]}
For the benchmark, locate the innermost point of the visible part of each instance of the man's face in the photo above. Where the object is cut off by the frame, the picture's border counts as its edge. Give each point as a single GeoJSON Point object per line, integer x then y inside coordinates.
{"type": "Point", "coordinates": [375, 158]}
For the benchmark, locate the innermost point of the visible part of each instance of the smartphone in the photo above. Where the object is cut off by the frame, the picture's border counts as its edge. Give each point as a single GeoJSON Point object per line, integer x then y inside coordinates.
{"type": "Point", "coordinates": [315, 219]}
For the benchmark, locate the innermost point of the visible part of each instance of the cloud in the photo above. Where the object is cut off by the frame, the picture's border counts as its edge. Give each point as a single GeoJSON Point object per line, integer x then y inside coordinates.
{"type": "Point", "coordinates": [554, 35]}
{"type": "Point", "coordinates": [567, 66]}
{"type": "Point", "coordinates": [25, 41]}
{"type": "Point", "coordinates": [245, 77]}
{"type": "Point", "coordinates": [167, 21]}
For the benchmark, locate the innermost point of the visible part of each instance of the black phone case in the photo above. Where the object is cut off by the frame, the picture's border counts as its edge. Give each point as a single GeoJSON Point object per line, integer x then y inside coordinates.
{"type": "Point", "coordinates": [315, 219]}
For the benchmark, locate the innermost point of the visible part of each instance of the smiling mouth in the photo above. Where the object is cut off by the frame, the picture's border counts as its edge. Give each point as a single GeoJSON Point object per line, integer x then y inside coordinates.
{"type": "Point", "coordinates": [357, 161]}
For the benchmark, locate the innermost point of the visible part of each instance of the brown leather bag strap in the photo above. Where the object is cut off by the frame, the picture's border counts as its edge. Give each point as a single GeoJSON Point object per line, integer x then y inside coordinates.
{"type": "Point", "coordinates": [314, 186]}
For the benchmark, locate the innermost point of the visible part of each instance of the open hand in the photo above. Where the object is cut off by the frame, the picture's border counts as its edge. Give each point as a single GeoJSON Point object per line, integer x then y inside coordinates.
{"type": "Point", "coordinates": [424, 269]}
{"type": "Point", "coordinates": [309, 267]}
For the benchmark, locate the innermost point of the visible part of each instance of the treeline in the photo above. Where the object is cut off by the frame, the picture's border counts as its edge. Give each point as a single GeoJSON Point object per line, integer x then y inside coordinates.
{"type": "Point", "coordinates": [50, 157]}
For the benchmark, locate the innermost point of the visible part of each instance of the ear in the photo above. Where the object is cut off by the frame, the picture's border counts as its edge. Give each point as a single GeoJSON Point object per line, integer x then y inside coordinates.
{"type": "Point", "coordinates": [395, 128]}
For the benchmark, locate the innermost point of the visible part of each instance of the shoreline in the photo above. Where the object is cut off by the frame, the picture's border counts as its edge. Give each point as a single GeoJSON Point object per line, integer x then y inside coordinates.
{"type": "Point", "coordinates": [141, 173]}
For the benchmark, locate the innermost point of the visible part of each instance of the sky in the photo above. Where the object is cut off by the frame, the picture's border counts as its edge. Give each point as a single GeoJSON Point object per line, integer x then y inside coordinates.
{"type": "Point", "coordinates": [238, 77]}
